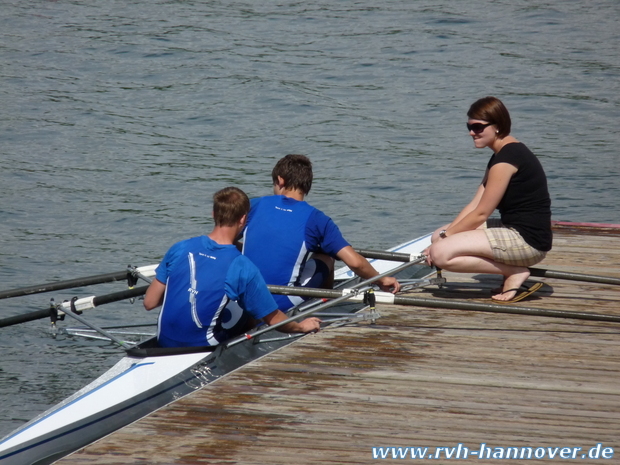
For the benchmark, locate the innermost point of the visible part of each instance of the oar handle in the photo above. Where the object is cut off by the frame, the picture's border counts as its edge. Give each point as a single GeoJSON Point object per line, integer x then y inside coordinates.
{"type": "Point", "coordinates": [304, 291]}
{"type": "Point", "coordinates": [385, 255]}
{"type": "Point", "coordinates": [121, 295]}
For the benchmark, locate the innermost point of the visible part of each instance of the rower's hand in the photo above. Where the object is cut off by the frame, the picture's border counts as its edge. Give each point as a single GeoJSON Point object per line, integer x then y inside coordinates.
{"type": "Point", "coordinates": [310, 325]}
{"type": "Point", "coordinates": [389, 284]}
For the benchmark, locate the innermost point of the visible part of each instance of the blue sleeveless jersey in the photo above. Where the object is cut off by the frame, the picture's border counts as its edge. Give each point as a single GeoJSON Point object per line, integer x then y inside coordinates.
{"type": "Point", "coordinates": [281, 233]}
{"type": "Point", "coordinates": [201, 277]}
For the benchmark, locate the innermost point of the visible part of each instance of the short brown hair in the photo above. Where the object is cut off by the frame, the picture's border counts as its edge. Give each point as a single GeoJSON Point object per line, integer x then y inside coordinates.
{"type": "Point", "coordinates": [296, 170]}
{"type": "Point", "coordinates": [491, 110]}
{"type": "Point", "coordinates": [229, 206]}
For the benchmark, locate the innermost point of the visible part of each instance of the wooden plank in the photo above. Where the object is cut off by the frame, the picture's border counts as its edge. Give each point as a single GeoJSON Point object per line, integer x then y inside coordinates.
{"type": "Point", "coordinates": [418, 377]}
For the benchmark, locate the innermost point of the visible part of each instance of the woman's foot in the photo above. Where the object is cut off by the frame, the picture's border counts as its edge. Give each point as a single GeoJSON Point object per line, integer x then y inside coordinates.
{"type": "Point", "coordinates": [512, 284]}
{"type": "Point", "coordinates": [498, 290]}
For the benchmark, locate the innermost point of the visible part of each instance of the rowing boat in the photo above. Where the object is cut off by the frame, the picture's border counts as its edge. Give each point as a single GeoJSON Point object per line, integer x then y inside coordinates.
{"type": "Point", "coordinates": [149, 377]}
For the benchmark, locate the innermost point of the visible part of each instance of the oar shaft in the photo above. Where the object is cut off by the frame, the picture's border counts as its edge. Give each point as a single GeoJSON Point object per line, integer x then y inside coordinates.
{"type": "Point", "coordinates": [542, 273]}
{"type": "Point", "coordinates": [68, 284]}
{"type": "Point", "coordinates": [338, 296]}
{"type": "Point", "coordinates": [288, 320]}
{"type": "Point", "coordinates": [502, 308]}
{"type": "Point", "coordinates": [538, 272]}
{"type": "Point", "coordinates": [144, 272]}
{"type": "Point", "coordinates": [80, 304]}
{"type": "Point", "coordinates": [17, 319]}
{"type": "Point", "coordinates": [304, 291]}
{"type": "Point", "coordinates": [386, 297]}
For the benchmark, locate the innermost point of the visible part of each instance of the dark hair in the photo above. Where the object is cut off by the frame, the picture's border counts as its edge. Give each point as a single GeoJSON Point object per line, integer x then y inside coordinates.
{"type": "Point", "coordinates": [296, 170]}
{"type": "Point", "coordinates": [491, 110]}
{"type": "Point", "coordinates": [229, 206]}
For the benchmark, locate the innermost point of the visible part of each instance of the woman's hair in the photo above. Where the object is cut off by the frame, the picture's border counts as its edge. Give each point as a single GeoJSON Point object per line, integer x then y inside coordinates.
{"type": "Point", "coordinates": [491, 110]}
{"type": "Point", "coordinates": [229, 206]}
{"type": "Point", "coordinates": [296, 171]}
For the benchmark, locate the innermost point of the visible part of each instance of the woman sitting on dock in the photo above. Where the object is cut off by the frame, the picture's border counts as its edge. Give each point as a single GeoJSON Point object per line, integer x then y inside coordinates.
{"type": "Point", "coordinates": [515, 184]}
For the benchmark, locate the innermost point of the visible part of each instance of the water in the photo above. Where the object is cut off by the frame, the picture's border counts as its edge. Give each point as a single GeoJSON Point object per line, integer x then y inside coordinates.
{"type": "Point", "coordinates": [121, 118]}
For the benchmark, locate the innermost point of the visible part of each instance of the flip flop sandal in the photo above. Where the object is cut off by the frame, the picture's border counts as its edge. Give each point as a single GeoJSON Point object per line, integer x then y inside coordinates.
{"type": "Point", "coordinates": [519, 295]}
{"type": "Point", "coordinates": [500, 289]}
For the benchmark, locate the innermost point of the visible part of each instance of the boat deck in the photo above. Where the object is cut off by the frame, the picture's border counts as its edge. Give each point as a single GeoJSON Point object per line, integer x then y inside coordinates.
{"type": "Point", "coordinates": [418, 377]}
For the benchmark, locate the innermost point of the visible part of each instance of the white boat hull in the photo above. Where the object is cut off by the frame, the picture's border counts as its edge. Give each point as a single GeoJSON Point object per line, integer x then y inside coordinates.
{"type": "Point", "coordinates": [138, 385]}
{"type": "Point", "coordinates": [130, 390]}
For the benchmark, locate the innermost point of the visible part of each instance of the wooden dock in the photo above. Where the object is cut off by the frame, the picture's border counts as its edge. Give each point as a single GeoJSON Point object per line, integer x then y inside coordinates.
{"type": "Point", "coordinates": [418, 377]}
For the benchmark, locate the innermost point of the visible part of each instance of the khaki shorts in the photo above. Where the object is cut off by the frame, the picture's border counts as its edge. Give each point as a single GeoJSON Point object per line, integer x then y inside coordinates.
{"type": "Point", "coordinates": [509, 247]}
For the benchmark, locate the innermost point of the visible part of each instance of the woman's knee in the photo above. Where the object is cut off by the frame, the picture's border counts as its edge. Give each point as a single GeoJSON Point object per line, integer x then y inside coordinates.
{"type": "Point", "coordinates": [439, 254]}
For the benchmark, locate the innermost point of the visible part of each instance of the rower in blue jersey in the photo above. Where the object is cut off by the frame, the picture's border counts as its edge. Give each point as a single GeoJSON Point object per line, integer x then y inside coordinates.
{"type": "Point", "coordinates": [209, 291]}
{"type": "Point", "coordinates": [293, 243]}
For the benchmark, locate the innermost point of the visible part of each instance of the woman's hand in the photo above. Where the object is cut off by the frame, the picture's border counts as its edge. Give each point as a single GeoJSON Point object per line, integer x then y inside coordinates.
{"type": "Point", "coordinates": [427, 252]}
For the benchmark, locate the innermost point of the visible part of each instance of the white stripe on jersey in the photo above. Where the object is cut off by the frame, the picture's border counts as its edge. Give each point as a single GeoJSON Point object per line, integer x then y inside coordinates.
{"type": "Point", "coordinates": [210, 339]}
{"type": "Point", "coordinates": [193, 289]}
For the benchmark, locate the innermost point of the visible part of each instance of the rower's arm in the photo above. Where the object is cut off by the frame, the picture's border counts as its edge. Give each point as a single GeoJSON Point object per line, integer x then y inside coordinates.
{"type": "Point", "coordinates": [361, 267]}
{"type": "Point", "coordinates": [154, 296]}
{"type": "Point", "coordinates": [309, 325]}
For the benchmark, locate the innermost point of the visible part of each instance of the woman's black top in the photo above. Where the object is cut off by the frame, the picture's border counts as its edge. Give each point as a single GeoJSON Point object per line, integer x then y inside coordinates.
{"type": "Point", "coordinates": [526, 205]}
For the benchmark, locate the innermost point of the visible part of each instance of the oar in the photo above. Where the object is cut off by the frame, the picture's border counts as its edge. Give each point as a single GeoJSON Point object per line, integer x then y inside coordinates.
{"type": "Point", "coordinates": [80, 304]}
{"type": "Point", "coordinates": [538, 272]}
{"type": "Point", "coordinates": [338, 296]}
{"type": "Point", "coordinates": [143, 272]}
{"type": "Point", "coordinates": [77, 282]}
{"type": "Point", "coordinates": [385, 255]}
{"type": "Point", "coordinates": [544, 273]}
{"type": "Point", "coordinates": [386, 297]}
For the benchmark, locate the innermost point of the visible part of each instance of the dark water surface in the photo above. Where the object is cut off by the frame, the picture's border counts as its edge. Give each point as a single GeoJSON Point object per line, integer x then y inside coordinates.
{"type": "Point", "coordinates": [121, 118]}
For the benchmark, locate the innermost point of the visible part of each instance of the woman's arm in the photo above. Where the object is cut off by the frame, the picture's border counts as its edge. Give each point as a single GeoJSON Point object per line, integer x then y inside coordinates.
{"type": "Point", "coordinates": [309, 325]}
{"type": "Point", "coordinates": [464, 212]}
{"type": "Point", "coordinates": [485, 201]}
{"type": "Point", "coordinates": [470, 206]}
{"type": "Point", "coordinates": [365, 270]}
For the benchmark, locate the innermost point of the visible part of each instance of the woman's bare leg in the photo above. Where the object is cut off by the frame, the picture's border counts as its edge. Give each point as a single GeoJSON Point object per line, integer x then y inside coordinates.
{"type": "Point", "coordinates": [470, 252]}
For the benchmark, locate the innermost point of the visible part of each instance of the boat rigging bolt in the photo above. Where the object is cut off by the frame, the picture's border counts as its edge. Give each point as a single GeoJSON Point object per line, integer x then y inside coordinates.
{"type": "Point", "coordinates": [54, 317]}
{"type": "Point", "coordinates": [132, 279]}
{"type": "Point", "coordinates": [371, 300]}
{"type": "Point", "coordinates": [440, 278]}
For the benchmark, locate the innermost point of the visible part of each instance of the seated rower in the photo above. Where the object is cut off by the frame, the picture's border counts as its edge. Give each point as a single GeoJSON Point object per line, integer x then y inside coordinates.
{"type": "Point", "coordinates": [199, 279]}
{"type": "Point", "coordinates": [293, 243]}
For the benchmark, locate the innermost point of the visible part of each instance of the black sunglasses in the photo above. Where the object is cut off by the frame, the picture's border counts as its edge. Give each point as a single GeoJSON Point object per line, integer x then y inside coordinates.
{"type": "Point", "coordinates": [477, 127]}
